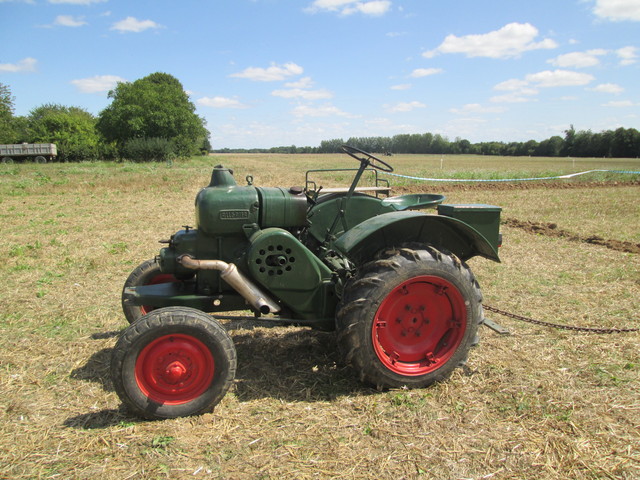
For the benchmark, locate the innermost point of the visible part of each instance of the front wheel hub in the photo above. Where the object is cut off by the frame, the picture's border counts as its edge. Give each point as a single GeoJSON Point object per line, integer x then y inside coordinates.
{"type": "Point", "coordinates": [174, 369]}
{"type": "Point", "coordinates": [175, 373]}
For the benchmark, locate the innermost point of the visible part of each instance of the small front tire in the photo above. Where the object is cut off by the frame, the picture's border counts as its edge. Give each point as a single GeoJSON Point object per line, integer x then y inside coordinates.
{"type": "Point", "coordinates": [147, 273]}
{"type": "Point", "coordinates": [173, 362]}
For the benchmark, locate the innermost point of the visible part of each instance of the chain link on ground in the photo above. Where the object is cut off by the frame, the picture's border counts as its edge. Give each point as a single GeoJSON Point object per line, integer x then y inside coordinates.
{"type": "Point", "coordinates": [558, 325]}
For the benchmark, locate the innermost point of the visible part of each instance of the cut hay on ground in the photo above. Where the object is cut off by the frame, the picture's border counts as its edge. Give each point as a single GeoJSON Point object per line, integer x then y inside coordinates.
{"type": "Point", "coordinates": [538, 404]}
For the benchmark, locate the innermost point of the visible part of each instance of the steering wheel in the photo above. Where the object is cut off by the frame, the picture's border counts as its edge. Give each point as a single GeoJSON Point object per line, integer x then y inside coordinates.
{"type": "Point", "coordinates": [369, 159]}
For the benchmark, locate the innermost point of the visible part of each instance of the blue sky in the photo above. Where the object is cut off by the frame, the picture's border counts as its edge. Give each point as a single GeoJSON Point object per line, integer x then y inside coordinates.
{"type": "Point", "coordinates": [266, 73]}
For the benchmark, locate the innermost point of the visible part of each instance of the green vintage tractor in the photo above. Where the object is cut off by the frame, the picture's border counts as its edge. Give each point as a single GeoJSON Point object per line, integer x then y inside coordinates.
{"type": "Point", "coordinates": [387, 273]}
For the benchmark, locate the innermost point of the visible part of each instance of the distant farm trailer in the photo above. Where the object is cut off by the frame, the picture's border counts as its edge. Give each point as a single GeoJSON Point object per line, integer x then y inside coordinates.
{"type": "Point", "coordinates": [38, 152]}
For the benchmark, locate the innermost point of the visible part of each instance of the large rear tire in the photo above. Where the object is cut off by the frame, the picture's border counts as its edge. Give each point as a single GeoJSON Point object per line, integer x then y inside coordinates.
{"type": "Point", "coordinates": [173, 362]}
{"type": "Point", "coordinates": [147, 273]}
{"type": "Point", "coordinates": [410, 317]}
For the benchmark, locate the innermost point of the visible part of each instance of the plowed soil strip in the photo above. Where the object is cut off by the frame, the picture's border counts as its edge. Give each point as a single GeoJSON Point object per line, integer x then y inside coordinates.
{"type": "Point", "coordinates": [552, 230]}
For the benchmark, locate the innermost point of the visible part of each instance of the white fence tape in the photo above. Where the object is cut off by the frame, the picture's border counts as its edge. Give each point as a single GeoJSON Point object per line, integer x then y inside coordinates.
{"type": "Point", "coordinates": [570, 175]}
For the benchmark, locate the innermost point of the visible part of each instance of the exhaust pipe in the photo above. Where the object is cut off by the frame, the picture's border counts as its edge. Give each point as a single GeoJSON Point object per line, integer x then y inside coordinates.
{"type": "Point", "coordinates": [241, 284]}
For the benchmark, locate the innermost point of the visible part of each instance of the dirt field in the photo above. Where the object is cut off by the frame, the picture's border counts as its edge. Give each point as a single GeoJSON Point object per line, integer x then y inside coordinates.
{"type": "Point", "coordinates": [538, 404]}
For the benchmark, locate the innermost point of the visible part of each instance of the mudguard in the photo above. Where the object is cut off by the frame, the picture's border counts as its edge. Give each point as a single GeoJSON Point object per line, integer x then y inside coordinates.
{"type": "Point", "coordinates": [361, 242]}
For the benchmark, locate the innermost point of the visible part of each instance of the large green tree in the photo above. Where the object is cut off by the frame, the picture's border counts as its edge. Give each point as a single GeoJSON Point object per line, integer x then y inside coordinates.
{"type": "Point", "coordinates": [6, 115]}
{"type": "Point", "coordinates": [72, 129]}
{"type": "Point", "coordinates": [155, 106]}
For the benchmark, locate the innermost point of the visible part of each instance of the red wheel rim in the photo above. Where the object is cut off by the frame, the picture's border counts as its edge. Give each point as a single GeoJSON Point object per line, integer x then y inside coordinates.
{"type": "Point", "coordinates": [174, 369]}
{"type": "Point", "coordinates": [160, 278]}
{"type": "Point", "coordinates": [419, 325]}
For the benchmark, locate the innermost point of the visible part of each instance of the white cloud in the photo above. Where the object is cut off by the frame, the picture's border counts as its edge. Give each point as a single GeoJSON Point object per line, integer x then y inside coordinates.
{"type": "Point", "coordinates": [519, 91]}
{"type": "Point", "coordinates": [349, 7]}
{"type": "Point", "coordinates": [607, 88]}
{"type": "Point", "coordinates": [476, 108]}
{"type": "Point", "coordinates": [302, 93]}
{"type": "Point", "coordinates": [76, 2]}
{"type": "Point", "coordinates": [559, 78]}
{"type": "Point", "coordinates": [220, 102]}
{"type": "Point", "coordinates": [619, 104]}
{"type": "Point", "coordinates": [23, 66]}
{"type": "Point", "coordinates": [97, 84]}
{"type": "Point", "coordinates": [425, 72]}
{"type": "Point", "coordinates": [302, 89]}
{"type": "Point", "coordinates": [321, 111]}
{"type": "Point", "coordinates": [578, 59]}
{"type": "Point", "coordinates": [270, 74]}
{"type": "Point", "coordinates": [304, 82]}
{"type": "Point", "coordinates": [69, 21]}
{"type": "Point", "coordinates": [375, 8]}
{"type": "Point", "coordinates": [618, 10]}
{"type": "Point", "coordinates": [510, 41]}
{"type": "Point", "coordinates": [132, 24]}
{"type": "Point", "coordinates": [402, 86]}
{"type": "Point", "coordinates": [404, 106]}
{"type": "Point", "coordinates": [627, 55]}
{"type": "Point", "coordinates": [511, 85]}
{"type": "Point", "coordinates": [513, 97]}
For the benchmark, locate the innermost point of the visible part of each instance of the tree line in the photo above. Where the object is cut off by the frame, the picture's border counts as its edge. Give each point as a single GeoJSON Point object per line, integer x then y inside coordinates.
{"type": "Point", "coordinates": [153, 119]}
{"type": "Point", "coordinates": [619, 143]}
{"type": "Point", "coordinates": [149, 119]}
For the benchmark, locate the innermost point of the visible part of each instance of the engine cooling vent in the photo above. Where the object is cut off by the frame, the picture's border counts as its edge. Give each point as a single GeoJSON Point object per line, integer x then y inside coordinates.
{"type": "Point", "coordinates": [274, 260]}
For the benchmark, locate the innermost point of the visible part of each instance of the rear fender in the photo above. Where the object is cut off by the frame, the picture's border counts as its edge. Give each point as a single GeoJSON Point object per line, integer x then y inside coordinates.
{"type": "Point", "coordinates": [361, 242]}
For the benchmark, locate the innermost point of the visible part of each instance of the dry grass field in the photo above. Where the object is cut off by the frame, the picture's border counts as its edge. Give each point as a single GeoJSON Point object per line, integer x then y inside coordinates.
{"type": "Point", "coordinates": [538, 404]}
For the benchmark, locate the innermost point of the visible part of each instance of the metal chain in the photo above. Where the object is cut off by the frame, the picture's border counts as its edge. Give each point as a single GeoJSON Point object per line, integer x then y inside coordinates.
{"type": "Point", "coordinates": [556, 325]}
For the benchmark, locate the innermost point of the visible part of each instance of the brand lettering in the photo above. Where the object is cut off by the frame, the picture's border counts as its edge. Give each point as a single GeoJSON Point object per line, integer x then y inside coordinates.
{"type": "Point", "coordinates": [234, 214]}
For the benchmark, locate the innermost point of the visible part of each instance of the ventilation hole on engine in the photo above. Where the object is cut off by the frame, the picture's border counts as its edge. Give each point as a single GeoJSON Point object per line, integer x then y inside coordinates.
{"type": "Point", "coordinates": [288, 269]}
{"type": "Point", "coordinates": [292, 259]}
{"type": "Point", "coordinates": [270, 248]}
{"type": "Point", "coordinates": [262, 270]}
{"type": "Point", "coordinates": [271, 273]}
{"type": "Point", "coordinates": [279, 247]}
{"type": "Point", "coordinates": [258, 261]}
{"type": "Point", "coordinates": [287, 251]}
{"type": "Point", "coordinates": [280, 272]}
{"type": "Point", "coordinates": [262, 252]}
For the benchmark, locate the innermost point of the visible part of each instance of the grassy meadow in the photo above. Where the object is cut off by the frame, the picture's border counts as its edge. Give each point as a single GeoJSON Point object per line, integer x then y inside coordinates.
{"type": "Point", "coordinates": [537, 404]}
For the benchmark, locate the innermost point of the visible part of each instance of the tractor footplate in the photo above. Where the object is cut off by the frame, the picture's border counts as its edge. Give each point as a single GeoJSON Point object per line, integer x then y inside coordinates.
{"type": "Point", "coordinates": [495, 327]}
{"type": "Point", "coordinates": [181, 294]}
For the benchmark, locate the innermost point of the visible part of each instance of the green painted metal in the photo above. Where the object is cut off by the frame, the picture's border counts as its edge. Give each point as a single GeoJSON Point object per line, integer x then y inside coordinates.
{"type": "Point", "coordinates": [225, 208]}
{"type": "Point", "coordinates": [414, 201]}
{"type": "Point", "coordinates": [358, 209]}
{"type": "Point", "coordinates": [282, 207]}
{"type": "Point", "coordinates": [484, 218]}
{"type": "Point", "coordinates": [184, 294]}
{"type": "Point", "coordinates": [293, 273]}
{"type": "Point", "coordinates": [392, 229]}
{"type": "Point", "coordinates": [300, 247]}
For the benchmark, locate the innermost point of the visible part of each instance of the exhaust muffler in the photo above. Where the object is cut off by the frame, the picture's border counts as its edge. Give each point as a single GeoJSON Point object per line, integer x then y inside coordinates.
{"type": "Point", "coordinates": [241, 284]}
